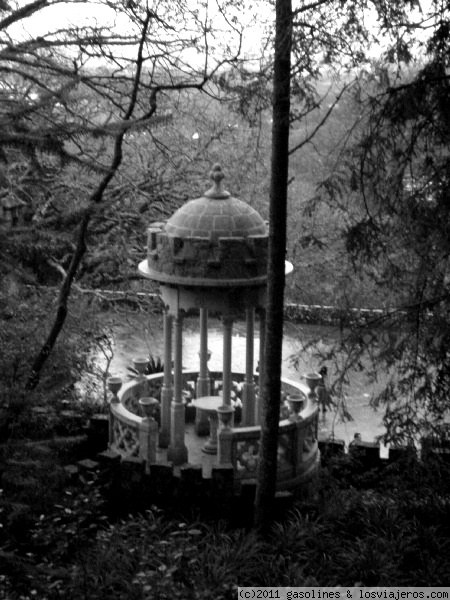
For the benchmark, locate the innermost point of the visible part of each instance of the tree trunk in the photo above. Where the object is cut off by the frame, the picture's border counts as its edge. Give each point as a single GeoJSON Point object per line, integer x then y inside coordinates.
{"type": "Point", "coordinates": [95, 199]}
{"type": "Point", "coordinates": [267, 474]}
{"type": "Point", "coordinates": [61, 311]}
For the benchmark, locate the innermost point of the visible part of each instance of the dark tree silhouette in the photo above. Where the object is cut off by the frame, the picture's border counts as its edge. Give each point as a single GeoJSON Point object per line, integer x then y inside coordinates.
{"type": "Point", "coordinates": [265, 492]}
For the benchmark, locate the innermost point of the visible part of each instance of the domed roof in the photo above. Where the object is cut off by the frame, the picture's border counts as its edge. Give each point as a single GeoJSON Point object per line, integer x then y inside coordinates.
{"type": "Point", "coordinates": [213, 241]}
{"type": "Point", "coordinates": [216, 215]}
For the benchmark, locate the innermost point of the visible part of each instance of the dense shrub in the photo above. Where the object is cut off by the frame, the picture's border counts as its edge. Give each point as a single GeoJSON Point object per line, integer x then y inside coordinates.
{"type": "Point", "coordinates": [24, 322]}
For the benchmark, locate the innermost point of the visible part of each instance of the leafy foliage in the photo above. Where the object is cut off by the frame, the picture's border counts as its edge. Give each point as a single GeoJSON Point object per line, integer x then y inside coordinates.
{"type": "Point", "coordinates": [36, 415]}
{"type": "Point", "coordinates": [392, 532]}
{"type": "Point", "coordinates": [390, 194]}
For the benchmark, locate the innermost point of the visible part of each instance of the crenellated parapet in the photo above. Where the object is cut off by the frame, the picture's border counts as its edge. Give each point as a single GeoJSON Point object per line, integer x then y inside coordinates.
{"type": "Point", "coordinates": [221, 259]}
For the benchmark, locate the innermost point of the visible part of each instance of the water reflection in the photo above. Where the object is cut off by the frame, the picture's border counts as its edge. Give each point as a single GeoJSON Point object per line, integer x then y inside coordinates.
{"type": "Point", "coordinates": [140, 335]}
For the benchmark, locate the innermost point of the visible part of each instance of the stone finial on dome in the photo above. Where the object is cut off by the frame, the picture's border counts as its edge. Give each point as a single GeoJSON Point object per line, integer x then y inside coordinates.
{"type": "Point", "coordinates": [216, 191]}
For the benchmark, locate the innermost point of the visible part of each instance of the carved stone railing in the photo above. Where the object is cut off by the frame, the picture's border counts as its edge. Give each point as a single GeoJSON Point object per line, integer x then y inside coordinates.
{"type": "Point", "coordinates": [125, 431]}
{"type": "Point", "coordinates": [132, 435]}
{"type": "Point", "coordinates": [298, 454]}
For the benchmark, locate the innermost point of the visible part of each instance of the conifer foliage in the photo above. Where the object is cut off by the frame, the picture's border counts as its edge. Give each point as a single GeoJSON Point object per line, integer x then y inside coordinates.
{"type": "Point", "coordinates": [392, 192]}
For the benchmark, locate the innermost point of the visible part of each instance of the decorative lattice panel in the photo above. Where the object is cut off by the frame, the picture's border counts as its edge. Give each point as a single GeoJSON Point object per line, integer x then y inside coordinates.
{"type": "Point", "coordinates": [247, 457]}
{"type": "Point", "coordinates": [126, 439]}
{"type": "Point", "coordinates": [286, 453]}
{"type": "Point", "coordinates": [310, 437]}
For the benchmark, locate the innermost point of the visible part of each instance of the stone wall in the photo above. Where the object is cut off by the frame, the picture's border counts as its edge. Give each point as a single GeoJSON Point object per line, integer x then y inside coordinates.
{"type": "Point", "coordinates": [185, 491]}
{"type": "Point", "coordinates": [232, 258]}
{"type": "Point", "coordinates": [182, 490]}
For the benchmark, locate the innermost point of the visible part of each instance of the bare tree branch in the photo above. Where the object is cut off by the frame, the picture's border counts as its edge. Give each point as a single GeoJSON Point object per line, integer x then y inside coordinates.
{"type": "Point", "coordinates": [322, 121]}
{"type": "Point", "coordinates": [95, 199]}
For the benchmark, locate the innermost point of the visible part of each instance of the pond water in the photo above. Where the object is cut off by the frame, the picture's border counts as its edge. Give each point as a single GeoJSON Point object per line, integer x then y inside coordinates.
{"type": "Point", "coordinates": [142, 335]}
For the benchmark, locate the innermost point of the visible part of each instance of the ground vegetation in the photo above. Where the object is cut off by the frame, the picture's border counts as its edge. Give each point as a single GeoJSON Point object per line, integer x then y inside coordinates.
{"type": "Point", "coordinates": [386, 527]}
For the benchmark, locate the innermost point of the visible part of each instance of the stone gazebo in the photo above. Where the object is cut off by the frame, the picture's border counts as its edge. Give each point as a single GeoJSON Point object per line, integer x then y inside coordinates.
{"type": "Point", "coordinates": [210, 258]}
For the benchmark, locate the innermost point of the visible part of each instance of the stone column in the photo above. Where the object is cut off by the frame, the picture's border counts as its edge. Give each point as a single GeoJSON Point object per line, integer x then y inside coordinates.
{"type": "Point", "coordinates": [167, 388]}
{"type": "Point", "coordinates": [262, 350]}
{"type": "Point", "coordinates": [177, 451]}
{"type": "Point", "coordinates": [227, 331]}
{"type": "Point", "coordinates": [203, 381]}
{"type": "Point", "coordinates": [248, 399]}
